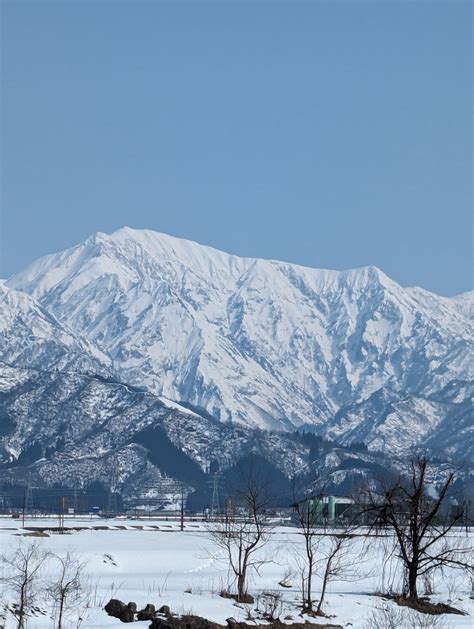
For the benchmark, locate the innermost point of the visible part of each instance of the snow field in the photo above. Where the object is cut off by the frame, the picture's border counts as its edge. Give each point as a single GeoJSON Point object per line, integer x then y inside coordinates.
{"type": "Point", "coordinates": [185, 571]}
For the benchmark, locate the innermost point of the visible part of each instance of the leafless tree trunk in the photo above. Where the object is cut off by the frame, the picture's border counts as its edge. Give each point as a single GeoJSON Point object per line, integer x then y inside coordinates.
{"type": "Point", "coordinates": [307, 519]}
{"type": "Point", "coordinates": [340, 561]}
{"type": "Point", "coordinates": [418, 523]}
{"type": "Point", "coordinates": [66, 591]}
{"type": "Point", "coordinates": [243, 531]}
{"type": "Point", "coordinates": [24, 570]}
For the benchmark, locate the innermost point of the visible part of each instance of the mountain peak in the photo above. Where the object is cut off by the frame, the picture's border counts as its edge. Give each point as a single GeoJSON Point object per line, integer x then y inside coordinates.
{"type": "Point", "coordinates": [133, 242]}
{"type": "Point", "coordinates": [260, 342]}
{"type": "Point", "coordinates": [127, 249]}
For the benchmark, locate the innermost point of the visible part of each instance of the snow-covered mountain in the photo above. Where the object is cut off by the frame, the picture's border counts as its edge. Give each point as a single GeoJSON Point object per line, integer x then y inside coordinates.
{"type": "Point", "coordinates": [465, 304]}
{"type": "Point", "coordinates": [75, 429]}
{"type": "Point", "coordinates": [404, 422]}
{"type": "Point", "coordinates": [31, 336]}
{"type": "Point", "coordinates": [262, 343]}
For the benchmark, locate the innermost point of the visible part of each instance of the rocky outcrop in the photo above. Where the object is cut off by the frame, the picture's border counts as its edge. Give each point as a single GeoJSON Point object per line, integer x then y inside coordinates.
{"type": "Point", "coordinates": [197, 622]}
{"type": "Point", "coordinates": [164, 619]}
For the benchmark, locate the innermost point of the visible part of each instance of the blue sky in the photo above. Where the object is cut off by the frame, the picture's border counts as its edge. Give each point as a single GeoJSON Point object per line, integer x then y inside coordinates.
{"type": "Point", "coordinates": [330, 134]}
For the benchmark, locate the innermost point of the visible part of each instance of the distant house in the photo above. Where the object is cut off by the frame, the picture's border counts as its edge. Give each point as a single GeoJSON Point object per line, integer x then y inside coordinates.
{"type": "Point", "coordinates": [328, 509]}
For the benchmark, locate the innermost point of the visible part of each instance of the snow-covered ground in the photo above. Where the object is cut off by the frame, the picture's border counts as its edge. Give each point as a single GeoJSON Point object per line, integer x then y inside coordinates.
{"type": "Point", "coordinates": [186, 571]}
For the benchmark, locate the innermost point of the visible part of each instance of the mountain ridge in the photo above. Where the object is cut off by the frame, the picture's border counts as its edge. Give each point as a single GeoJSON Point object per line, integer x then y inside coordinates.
{"type": "Point", "coordinates": [98, 237]}
{"type": "Point", "coordinates": [259, 342]}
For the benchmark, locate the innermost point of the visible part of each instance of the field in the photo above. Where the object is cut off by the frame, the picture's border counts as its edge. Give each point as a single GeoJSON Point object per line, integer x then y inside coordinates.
{"type": "Point", "coordinates": [157, 563]}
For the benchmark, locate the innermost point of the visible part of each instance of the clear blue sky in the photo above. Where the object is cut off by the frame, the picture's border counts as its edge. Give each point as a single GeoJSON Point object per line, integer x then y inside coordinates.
{"type": "Point", "coordinates": [331, 134]}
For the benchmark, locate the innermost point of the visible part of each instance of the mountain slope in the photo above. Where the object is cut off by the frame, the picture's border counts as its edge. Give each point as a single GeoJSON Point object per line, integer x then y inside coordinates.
{"type": "Point", "coordinates": [31, 336]}
{"type": "Point", "coordinates": [74, 430]}
{"type": "Point", "coordinates": [407, 423]}
{"type": "Point", "coordinates": [465, 304]}
{"type": "Point", "coordinates": [258, 342]}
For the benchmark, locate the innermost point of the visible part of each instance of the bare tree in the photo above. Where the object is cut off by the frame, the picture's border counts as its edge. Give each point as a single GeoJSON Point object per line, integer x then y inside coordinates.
{"type": "Point", "coordinates": [340, 561]}
{"type": "Point", "coordinates": [420, 523]}
{"type": "Point", "coordinates": [243, 531]}
{"type": "Point", "coordinates": [67, 590]}
{"type": "Point", "coordinates": [307, 518]}
{"type": "Point", "coordinates": [326, 554]}
{"type": "Point", "coordinates": [24, 568]}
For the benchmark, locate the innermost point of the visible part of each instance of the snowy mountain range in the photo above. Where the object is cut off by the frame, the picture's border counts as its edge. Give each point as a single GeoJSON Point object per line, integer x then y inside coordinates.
{"type": "Point", "coordinates": [251, 341]}
{"type": "Point", "coordinates": [241, 342]}
{"type": "Point", "coordinates": [73, 429]}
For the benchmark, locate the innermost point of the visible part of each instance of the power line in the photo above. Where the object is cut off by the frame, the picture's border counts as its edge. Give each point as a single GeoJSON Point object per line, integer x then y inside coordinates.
{"type": "Point", "coordinates": [215, 507]}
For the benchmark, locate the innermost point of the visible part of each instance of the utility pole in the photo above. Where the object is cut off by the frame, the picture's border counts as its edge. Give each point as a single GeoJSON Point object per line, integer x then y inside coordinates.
{"type": "Point", "coordinates": [182, 508]}
{"type": "Point", "coordinates": [29, 507]}
{"type": "Point", "coordinates": [466, 505]}
{"type": "Point", "coordinates": [24, 508]}
{"type": "Point", "coordinates": [75, 500]}
{"type": "Point", "coordinates": [215, 496]}
{"type": "Point", "coordinates": [61, 515]}
{"type": "Point", "coordinates": [112, 495]}
{"type": "Point", "coordinates": [111, 502]}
